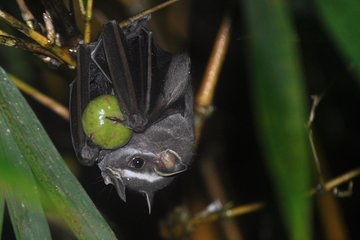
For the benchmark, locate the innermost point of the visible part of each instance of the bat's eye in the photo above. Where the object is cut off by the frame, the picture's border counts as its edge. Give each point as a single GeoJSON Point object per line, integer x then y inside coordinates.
{"type": "Point", "coordinates": [137, 162]}
{"type": "Point", "coordinates": [102, 122]}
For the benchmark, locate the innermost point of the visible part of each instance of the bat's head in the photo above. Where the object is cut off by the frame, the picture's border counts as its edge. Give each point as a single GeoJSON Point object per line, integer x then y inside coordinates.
{"type": "Point", "coordinates": [151, 159]}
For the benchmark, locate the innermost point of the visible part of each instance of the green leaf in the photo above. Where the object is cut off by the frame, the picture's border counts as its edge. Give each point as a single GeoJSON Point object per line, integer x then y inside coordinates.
{"type": "Point", "coordinates": [27, 217]}
{"type": "Point", "coordinates": [20, 189]}
{"type": "Point", "coordinates": [49, 169]}
{"type": "Point", "coordinates": [278, 94]}
{"type": "Point", "coordinates": [342, 17]}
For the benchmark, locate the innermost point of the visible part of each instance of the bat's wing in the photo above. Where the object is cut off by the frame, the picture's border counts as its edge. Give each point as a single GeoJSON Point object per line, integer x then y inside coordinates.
{"type": "Point", "coordinates": [148, 82]}
{"type": "Point", "coordinates": [89, 83]}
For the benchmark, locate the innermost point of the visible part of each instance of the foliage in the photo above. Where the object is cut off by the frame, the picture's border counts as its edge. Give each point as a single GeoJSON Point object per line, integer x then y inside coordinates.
{"type": "Point", "coordinates": [279, 97]}
{"type": "Point", "coordinates": [30, 165]}
{"type": "Point", "coordinates": [36, 185]}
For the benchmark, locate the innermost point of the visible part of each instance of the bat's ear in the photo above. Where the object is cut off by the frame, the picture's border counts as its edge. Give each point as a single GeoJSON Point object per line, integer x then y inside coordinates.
{"type": "Point", "coordinates": [169, 163]}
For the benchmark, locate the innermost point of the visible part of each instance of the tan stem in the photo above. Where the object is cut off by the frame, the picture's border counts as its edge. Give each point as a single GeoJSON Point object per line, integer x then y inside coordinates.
{"type": "Point", "coordinates": [61, 53]}
{"type": "Point", "coordinates": [130, 20]}
{"type": "Point", "coordinates": [55, 106]}
{"type": "Point", "coordinates": [204, 97]}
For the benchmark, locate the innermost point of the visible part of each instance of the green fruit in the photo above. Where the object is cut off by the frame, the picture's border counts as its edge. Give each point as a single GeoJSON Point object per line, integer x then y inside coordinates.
{"type": "Point", "coordinates": [101, 122]}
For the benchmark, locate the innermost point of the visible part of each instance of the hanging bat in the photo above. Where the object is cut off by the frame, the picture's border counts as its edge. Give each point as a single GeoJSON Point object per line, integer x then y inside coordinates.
{"type": "Point", "coordinates": [131, 109]}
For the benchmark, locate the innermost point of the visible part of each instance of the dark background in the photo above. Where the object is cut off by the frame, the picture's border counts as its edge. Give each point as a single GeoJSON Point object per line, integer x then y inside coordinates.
{"type": "Point", "coordinates": [229, 136]}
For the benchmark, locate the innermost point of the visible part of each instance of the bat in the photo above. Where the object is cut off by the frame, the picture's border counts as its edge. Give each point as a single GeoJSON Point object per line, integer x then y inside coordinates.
{"type": "Point", "coordinates": [128, 82]}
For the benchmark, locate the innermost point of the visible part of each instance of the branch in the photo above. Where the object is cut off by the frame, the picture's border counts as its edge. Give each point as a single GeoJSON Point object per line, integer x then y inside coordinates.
{"type": "Point", "coordinates": [204, 97]}
{"type": "Point", "coordinates": [61, 53]}
{"type": "Point", "coordinates": [50, 103]}
{"type": "Point", "coordinates": [142, 14]}
{"type": "Point", "coordinates": [328, 186]}
{"type": "Point", "coordinates": [11, 41]}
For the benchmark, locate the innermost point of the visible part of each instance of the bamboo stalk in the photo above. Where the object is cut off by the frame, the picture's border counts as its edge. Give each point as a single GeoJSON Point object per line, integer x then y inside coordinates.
{"type": "Point", "coordinates": [61, 53]}
{"type": "Point", "coordinates": [142, 14]}
{"type": "Point", "coordinates": [331, 184]}
{"type": "Point", "coordinates": [205, 95]}
{"type": "Point", "coordinates": [87, 21]}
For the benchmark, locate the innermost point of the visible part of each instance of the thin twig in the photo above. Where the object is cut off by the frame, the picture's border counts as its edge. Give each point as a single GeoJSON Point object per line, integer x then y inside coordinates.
{"type": "Point", "coordinates": [323, 186]}
{"type": "Point", "coordinates": [229, 213]}
{"type": "Point", "coordinates": [50, 103]}
{"type": "Point", "coordinates": [26, 14]}
{"type": "Point", "coordinates": [207, 89]}
{"type": "Point", "coordinates": [49, 26]}
{"type": "Point", "coordinates": [180, 222]}
{"type": "Point", "coordinates": [61, 53]}
{"type": "Point", "coordinates": [316, 100]}
{"type": "Point", "coordinates": [204, 98]}
{"type": "Point", "coordinates": [11, 41]}
{"type": "Point", "coordinates": [87, 21]}
{"type": "Point", "coordinates": [130, 20]}
{"type": "Point", "coordinates": [82, 7]}
{"type": "Point", "coordinates": [338, 181]}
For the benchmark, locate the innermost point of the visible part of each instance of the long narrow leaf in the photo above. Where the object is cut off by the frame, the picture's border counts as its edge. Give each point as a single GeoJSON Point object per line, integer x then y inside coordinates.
{"type": "Point", "coordinates": [49, 169]}
{"type": "Point", "coordinates": [278, 94]}
{"type": "Point", "coordinates": [342, 20]}
{"type": "Point", "coordinates": [27, 216]}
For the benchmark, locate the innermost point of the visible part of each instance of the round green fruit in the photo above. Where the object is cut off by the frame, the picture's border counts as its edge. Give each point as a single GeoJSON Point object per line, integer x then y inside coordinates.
{"type": "Point", "coordinates": [102, 122]}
